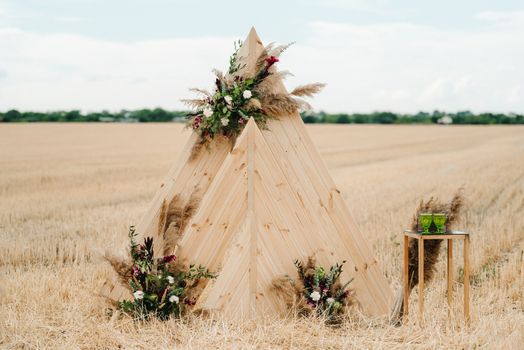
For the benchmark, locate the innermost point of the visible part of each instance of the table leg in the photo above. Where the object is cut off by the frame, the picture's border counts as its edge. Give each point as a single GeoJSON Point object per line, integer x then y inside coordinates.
{"type": "Point", "coordinates": [421, 280]}
{"type": "Point", "coordinates": [450, 274]}
{"type": "Point", "coordinates": [406, 277]}
{"type": "Point", "coordinates": [466, 278]}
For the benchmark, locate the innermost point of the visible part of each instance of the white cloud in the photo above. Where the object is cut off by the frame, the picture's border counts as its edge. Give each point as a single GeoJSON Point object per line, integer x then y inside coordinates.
{"type": "Point", "coordinates": [372, 6]}
{"type": "Point", "coordinates": [72, 71]}
{"type": "Point", "coordinates": [463, 84]}
{"type": "Point", "coordinates": [68, 19]}
{"type": "Point", "coordinates": [502, 17]}
{"type": "Point", "coordinates": [402, 67]}
{"type": "Point", "coordinates": [514, 95]}
{"type": "Point", "coordinates": [408, 67]}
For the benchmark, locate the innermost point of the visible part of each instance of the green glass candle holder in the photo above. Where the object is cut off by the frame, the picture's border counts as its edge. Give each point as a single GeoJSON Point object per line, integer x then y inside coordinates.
{"type": "Point", "coordinates": [440, 221]}
{"type": "Point", "coordinates": [425, 220]}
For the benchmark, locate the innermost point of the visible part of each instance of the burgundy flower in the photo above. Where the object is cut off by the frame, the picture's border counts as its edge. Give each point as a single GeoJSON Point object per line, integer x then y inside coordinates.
{"type": "Point", "coordinates": [271, 60]}
{"type": "Point", "coordinates": [169, 258]}
{"type": "Point", "coordinates": [197, 121]}
{"type": "Point", "coordinates": [190, 302]}
{"type": "Point", "coordinates": [241, 121]}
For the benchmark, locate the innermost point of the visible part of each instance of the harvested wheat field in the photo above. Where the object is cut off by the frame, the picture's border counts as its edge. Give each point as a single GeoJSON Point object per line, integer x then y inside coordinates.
{"type": "Point", "coordinates": [68, 192]}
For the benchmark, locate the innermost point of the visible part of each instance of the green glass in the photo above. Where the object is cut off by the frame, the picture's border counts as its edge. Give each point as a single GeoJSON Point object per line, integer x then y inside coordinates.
{"type": "Point", "coordinates": [425, 220]}
{"type": "Point", "coordinates": [439, 220]}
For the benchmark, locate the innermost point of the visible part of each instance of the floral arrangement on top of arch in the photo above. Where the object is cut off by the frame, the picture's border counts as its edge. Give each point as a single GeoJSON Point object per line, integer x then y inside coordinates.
{"type": "Point", "coordinates": [240, 95]}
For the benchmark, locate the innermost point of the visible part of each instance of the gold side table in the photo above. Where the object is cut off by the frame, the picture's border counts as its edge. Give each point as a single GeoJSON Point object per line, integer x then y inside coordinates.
{"type": "Point", "coordinates": [449, 237]}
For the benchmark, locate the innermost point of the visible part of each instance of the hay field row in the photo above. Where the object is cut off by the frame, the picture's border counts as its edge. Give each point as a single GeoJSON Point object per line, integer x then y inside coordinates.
{"type": "Point", "coordinates": [69, 192]}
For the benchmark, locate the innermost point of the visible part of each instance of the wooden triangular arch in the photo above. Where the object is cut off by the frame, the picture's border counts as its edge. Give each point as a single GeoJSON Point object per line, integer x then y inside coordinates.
{"type": "Point", "coordinates": [264, 203]}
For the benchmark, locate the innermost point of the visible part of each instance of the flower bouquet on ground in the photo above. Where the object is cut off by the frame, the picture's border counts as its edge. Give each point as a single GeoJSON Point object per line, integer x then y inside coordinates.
{"type": "Point", "coordinates": [317, 292]}
{"type": "Point", "coordinates": [161, 287]}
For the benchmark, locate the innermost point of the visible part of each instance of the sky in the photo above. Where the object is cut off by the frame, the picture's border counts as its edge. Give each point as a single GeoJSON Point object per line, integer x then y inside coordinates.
{"type": "Point", "coordinates": [395, 55]}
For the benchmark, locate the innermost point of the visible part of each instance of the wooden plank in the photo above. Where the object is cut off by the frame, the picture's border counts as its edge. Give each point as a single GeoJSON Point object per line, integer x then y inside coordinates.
{"type": "Point", "coordinates": [271, 265]}
{"type": "Point", "coordinates": [421, 280]}
{"type": "Point", "coordinates": [440, 236]}
{"type": "Point", "coordinates": [406, 277]}
{"type": "Point", "coordinates": [210, 231]}
{"type": "Point", "coordinates": [252, 231]}
{"type": "Point", "coordinates": [210, 235]}
{"type": "Point", "coordinates": [450, 274]}
{"type": "Point", "coordinates": [466, 279]}
{"type": "Point", "coordinates": [294, 220]}
{"type": "Point", "coordinates": [238, 307]}
{"type": "Point", "coordinates": [269, 304]}
{"type": "Point", "coordinates": [234, 271]}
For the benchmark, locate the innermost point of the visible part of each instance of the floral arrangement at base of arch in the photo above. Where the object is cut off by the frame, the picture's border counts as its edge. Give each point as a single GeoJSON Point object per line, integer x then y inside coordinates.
{"type": "Point", "coordinates": [160, 287]}
{"type": "Point", "coordinates": [240, 95]}
{"type": "Point", "coordinates": [317, 291]}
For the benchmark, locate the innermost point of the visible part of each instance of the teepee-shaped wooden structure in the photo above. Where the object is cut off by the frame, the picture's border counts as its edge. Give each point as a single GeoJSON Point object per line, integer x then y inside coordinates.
{"type": "Point", "coordinates": [262, 204]}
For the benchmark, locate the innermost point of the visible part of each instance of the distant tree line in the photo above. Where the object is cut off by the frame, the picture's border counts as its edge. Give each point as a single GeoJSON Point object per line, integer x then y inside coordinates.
{"type": "Point", "coordinates": [141, 115]}
{"type": "Point", "coordinates": [464, 117]}
{"type": "Point", "coordinates": [161, 115]}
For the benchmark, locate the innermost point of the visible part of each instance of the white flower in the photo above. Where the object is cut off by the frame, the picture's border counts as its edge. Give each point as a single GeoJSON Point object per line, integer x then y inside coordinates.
{"type": "Point", "coordinates": [315, 296]}
{"type": "Point", "coordinates": [174, 299]}
{"type": "Point", "coordinates": [170, 279]}
{"type": "Point", "coordinates": [138, 294]}
{"type": "Point", "coordinates": [224, 121]}
{"type": "Point", "coordinates": [247, 94]}
{"type": "Point", "coordinates": [208, 112]}
{"type": "Point", "coordinates": [228, 99]}
{"type": "Point", "coordinates": [330, 301]}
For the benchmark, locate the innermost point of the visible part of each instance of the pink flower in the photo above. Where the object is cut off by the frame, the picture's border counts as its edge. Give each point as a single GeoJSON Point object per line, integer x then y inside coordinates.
{"type": "Point", "coordinates": [241, 121]}
{"type": "Point", "coordinates": [135, 270]}
{"type": "Point", "coordinates": [271, 61]}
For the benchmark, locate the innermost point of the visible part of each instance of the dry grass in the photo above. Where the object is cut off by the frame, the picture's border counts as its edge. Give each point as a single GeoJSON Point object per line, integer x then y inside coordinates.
{"type": "Point", "coordinates": [69, 192]}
